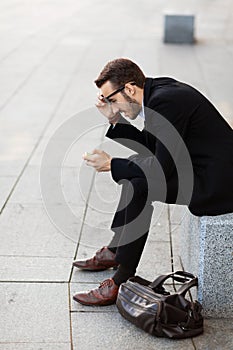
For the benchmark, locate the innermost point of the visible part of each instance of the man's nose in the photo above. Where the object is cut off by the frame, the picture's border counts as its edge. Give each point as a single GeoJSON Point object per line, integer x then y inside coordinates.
{"type": "Point", "coordinates": [115, 108]}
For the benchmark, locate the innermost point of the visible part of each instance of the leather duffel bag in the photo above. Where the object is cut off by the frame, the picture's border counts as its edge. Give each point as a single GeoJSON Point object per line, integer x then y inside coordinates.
{"type": "Point", "coordinates": [149, 306]}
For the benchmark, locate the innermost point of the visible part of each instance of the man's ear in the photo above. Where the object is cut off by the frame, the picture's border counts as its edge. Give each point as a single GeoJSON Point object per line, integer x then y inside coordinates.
{"type": "Point", "coordinates": [130, 89]}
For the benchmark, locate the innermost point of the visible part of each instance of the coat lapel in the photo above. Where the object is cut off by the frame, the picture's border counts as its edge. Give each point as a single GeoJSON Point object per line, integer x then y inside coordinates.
{"type": "Point", "coordinates": [147, 94]}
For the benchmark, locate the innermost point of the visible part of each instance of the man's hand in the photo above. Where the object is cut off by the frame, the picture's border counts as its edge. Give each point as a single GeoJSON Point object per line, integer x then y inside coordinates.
{"type": "Point", "coordinates": [99, 160]}
{"type": "Point", "coordinates": [106, 109]}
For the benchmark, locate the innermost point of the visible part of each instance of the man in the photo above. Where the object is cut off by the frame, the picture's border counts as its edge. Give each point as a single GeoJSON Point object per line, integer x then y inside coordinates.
{"type": "Point", "coordinates": [184, 155]}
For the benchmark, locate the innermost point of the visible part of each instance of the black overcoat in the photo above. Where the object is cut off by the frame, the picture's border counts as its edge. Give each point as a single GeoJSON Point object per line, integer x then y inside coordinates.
{"type": "Point", "coordinates": [203, 134]}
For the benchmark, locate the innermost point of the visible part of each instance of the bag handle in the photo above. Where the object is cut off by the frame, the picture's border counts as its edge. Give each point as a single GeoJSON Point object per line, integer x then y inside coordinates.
{"type": "Point", "coordinates": [188, 285]}
{"type": "Point", "coordinates": [187, 278]}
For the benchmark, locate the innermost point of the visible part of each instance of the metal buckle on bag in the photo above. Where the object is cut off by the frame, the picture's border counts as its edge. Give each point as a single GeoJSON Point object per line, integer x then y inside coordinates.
{"type": "Point", "coordinates": [183, 328]}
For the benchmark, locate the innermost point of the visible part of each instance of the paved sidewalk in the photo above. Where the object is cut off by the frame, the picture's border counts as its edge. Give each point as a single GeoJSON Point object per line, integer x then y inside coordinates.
{"type": "Point", "coordinates": [50, 53]}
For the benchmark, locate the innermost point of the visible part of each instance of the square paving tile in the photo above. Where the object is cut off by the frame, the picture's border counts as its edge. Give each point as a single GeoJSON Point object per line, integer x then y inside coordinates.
{"type": "Point", "coordinates": [113, 331]}
{"type": "Point", "coordinates": [31, 190]}
{"type": "Point", "coordinates": [34, 312]}
{"type": "Point", "coordinates": [36, 346]}
{"type": "Point", "coordinates": [217, 335]}
{"type": "Point", "coordinates": [28, 231]}
{"type": "Point", "coordinates": [6, 185]}
{"type": "Point", "coordinates": [29, 268]}
{"type": "Point", "coordinates": [155, 260]}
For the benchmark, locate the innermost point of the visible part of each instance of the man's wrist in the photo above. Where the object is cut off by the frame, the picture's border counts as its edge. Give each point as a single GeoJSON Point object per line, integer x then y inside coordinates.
{"type": "Point", "coordinates": [109, 163]}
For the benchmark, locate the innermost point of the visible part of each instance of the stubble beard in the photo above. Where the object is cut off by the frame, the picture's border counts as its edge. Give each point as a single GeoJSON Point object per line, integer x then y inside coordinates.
{"type": "Point", "coordinates": [134, 105]}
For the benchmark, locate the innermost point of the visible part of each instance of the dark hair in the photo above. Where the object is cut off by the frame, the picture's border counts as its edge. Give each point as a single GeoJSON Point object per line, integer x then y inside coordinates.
{"type": "Point", "coordinates": [119, 72]}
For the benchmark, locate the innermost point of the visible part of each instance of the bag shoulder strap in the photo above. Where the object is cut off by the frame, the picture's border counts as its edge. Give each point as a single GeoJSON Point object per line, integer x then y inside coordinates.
{"type": "Point", "coordinates": [187, 278]}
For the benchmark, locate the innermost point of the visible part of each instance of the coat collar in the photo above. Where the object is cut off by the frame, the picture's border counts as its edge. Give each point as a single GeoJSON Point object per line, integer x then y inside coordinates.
{"type": "Point", "coordinates": [147, 88]}
{"type": "Point", "coordinates": [147, 94]}
{"type": "Point", "coordinates": [154, 84]}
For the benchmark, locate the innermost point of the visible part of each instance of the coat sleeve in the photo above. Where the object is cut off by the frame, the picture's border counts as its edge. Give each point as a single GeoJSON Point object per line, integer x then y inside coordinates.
{"type": "Point", "coordinates": [169, 126]}
{"type": "Point", "coordinates": [129, 136]}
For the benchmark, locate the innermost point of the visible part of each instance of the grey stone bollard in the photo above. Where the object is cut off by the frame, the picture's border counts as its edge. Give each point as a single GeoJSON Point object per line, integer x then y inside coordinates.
{"type": "Point", "coordinates": [206, 250]}
{"type": "Point", "coordinates": [179, 29]}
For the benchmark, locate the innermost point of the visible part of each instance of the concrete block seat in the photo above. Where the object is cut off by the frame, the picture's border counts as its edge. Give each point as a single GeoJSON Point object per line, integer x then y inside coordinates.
{"type": "Point", "coordinates": [206, 250]}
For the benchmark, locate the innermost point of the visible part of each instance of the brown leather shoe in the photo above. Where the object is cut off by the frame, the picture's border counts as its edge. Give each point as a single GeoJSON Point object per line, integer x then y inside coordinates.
{"type": "Point", "coordinates": [104, 259]}
{"type": "Point", "coordinates": [105, 294]}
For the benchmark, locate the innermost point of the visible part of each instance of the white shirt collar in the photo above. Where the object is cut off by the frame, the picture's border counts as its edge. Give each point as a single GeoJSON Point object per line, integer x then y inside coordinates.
{"type": "Point", "coordinates": [142, 111]}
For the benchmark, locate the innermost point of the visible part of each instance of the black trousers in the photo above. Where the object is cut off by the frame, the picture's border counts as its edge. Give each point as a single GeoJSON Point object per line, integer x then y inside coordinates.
{"type": "Point", "coordinates": [131, 222]}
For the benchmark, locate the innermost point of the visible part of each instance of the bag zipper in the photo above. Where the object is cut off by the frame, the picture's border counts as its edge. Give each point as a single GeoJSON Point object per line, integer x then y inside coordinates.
{"type": "Point", "coordinates": [137, 287]}
{"type": "Point", "coordinates": [150, 299]}
{"type": "Point", "coordinates": [136, 306]}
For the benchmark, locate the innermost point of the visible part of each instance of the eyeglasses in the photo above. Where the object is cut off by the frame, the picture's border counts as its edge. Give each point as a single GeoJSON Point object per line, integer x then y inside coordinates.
{"type": "Point", "coordinates": [106, 99]}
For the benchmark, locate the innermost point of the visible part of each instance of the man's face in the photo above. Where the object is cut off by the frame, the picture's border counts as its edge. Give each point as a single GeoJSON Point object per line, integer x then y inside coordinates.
{"type": "Point", "coordinates": [123, 101]}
